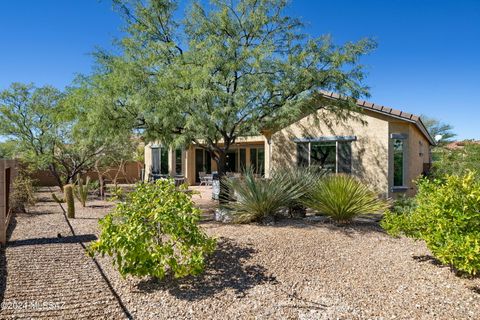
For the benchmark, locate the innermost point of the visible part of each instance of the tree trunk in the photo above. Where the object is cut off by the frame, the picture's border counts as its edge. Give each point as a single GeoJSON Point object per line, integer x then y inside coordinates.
{"type": "Point", "coordinates": [101, 188]}
{"type": "Point", "coordinates": [119, 169]}
{"type": "Point", "coordinates": [53, 170]}
{"type": "Point", "coordinates": [224, 195]}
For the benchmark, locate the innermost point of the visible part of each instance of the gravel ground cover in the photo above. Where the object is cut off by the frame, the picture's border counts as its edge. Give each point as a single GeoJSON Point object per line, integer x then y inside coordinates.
{"type": "Point", "coordinates": [45, 274]}
{"type": "Point", "coordinates": [308, 269]}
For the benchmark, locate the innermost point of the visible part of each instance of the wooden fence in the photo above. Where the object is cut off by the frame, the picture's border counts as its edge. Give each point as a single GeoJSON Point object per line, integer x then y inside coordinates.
{"type": "Point", "coordinates": [130, 173]}
{"type": "Point", "coordinates": [7, 174]}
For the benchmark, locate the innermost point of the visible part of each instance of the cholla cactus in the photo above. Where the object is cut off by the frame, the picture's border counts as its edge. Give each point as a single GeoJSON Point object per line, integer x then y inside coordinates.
{"type": "Point", "coordinates": [81, 190]}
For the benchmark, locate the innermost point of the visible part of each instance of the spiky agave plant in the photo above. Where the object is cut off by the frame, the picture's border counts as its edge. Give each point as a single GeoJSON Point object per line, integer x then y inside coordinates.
{"type": "Point", "coordinates": [259, 199]}
{"type": "Point", "coordinates": [302, 178]}
{"type": "Point", "coordinates": [343, 197]}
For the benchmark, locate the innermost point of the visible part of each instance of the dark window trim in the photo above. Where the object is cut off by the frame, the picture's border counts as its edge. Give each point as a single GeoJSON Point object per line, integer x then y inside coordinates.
{"type": "Point", "coordinates": [326, 139]}
{"type": "Point", "coordinates": [404, 137]}
{"type": "Point", "coordinates": [337, 140]}
{"type": "Point", "coordinates": [399, 189]}
{"type": "Point", "coordinates": [401, 136]}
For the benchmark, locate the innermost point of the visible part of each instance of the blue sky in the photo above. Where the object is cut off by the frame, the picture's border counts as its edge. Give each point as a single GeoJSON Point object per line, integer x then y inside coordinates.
{"type": "Point", "coordinates": [427, 62]}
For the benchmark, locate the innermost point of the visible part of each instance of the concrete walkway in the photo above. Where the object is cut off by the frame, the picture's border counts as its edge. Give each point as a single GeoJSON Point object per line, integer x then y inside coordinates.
{"type": "Point", "coordinates": [45, 272]}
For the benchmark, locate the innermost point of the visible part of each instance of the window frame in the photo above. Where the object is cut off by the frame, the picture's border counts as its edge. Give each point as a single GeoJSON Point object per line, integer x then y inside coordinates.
{"type": "Point", "coordinates": [255, 161]}
{"type": "Point", "coordinates": [160, 149]}
{"type": "Point", "coordinates": [404, 138]}
{"type": "Point", "coordinates": [337, 139]}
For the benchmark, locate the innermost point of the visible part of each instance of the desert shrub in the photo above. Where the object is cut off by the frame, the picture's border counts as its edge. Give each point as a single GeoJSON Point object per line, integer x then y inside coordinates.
{"type": "Point", "coordinates": [154, 232]}
{"type": "Point", "coordinates": [23, 193]}
{"type": "Point", "coordinates": [459, 161]}
{"type": "Point", "coordinates": [404, 204]}
{"type": "Point", "coordinates": [343, 197]}
{"type": "Point", "coordinates": [258, 199]}
{"type": "Point", "coordinates": [117, 193]}
{"type": "Point", "coordinates": [447, 218]}
{"type": "Point", "coordinates": [303, 179]}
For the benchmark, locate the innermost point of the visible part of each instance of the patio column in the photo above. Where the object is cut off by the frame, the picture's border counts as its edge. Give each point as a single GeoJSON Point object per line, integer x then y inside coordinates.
{"type": "Point", "coordinates": [171, 161]}
{"type": "Point", "coordinates": [148, 161]}
{"type": "Point", "coordinates": [190, 164]}
{"type": "Point", "coordinates": [268, 152]}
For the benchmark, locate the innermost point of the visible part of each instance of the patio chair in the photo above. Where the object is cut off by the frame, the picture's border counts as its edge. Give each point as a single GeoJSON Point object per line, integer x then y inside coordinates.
{"type": "Point", "coordinates": [208, 179]}
{"type": "Point", "coordinates": [179, 180]}
{"type": "Point", "coordinates": [202, 176]}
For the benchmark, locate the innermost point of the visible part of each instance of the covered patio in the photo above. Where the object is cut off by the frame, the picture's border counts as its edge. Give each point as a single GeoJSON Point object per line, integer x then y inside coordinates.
{"type": "Point", "coordinates": [195, 166]}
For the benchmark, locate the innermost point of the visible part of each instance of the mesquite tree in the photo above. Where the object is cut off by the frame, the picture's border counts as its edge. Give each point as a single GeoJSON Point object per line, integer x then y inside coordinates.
{"type": "Point", "coordinates": [53, 131]}
{"type": "Point", "coordinates": [228, 69]}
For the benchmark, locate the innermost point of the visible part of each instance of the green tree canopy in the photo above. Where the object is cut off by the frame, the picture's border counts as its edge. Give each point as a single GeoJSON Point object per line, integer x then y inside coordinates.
{"type": "Point", "coordinates": [52, 130]}
{"type": "Point", "coordinates": [228, 69]}
{"type": "Point", "coordinates": [441, 132]}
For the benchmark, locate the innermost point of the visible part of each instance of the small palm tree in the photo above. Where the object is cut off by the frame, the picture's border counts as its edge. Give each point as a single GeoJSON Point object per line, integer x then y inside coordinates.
{"type": "Point", "coordinates": [343, 197]}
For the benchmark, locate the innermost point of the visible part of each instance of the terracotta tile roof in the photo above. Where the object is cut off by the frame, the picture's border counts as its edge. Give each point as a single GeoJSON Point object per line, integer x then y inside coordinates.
{"type": "Point", "coordinates": [398, 114]}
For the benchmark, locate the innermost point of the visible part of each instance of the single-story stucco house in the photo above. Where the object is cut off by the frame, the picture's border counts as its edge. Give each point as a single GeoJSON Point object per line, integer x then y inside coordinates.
{"type": "Point", "coordinates": [384, 147]}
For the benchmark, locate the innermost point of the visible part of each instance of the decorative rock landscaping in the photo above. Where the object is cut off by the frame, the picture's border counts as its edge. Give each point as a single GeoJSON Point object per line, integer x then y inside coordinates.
{"type": "Point", "coordinates": [295, 269]}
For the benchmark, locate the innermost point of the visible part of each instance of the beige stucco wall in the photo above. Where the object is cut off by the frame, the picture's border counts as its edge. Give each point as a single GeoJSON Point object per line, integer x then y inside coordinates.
{"type": "Point", "coordinates": [415, 155]}
{"type": "Point", "coordinates": [369, 151]}
{"type": "Point", "coordinates": [372, 152]}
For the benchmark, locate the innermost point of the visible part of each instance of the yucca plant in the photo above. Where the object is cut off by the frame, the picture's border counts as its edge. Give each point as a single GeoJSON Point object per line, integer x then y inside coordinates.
{"type": "Point", "coordinates": [302, 178]}
{"type": "Point", "coordinates": [260, 199]}
{"type": "Point", "coordinates": [343, 197]}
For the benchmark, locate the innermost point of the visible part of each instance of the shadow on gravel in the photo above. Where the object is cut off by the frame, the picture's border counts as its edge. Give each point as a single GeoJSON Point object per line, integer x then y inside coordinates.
{"type": "Point", "coordinates": [434, 261]}
{"type": "Point", "coordinates": [354, 228]}
{"type": "Point", "coordinates": [475, 289]}
{"type": "Point", "coordinates": [3, 275]}
{"type": "Point", "coordinates": [358, 226]}
{"type": "Point", "coordinates": [3, 260]}
{"type": "Point", "coordinates": [226, 269]}
{"type": "Point", "coordinates": [428, 258]}
{"type": "Point", "coordinates": [101, 206]}
{"type": "Point", "coordinates": [63, 239]}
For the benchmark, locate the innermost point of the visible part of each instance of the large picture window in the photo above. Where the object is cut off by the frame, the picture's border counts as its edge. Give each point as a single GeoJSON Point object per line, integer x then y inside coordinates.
{"type": "Point", "coordinates": [332, 155]}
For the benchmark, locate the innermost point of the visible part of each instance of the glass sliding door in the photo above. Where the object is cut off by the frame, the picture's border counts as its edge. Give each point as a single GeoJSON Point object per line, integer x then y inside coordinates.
{"type": "Point", "coordinates": [257, 160]}
{"type": "Point", "coordinates": [178, 162]}
{"type": "Point", "coordinates": [159, 160]}
{"type": "Point", "coordinates": [203, 162]}
{"type": "Point", "coordinates": [231, 161]}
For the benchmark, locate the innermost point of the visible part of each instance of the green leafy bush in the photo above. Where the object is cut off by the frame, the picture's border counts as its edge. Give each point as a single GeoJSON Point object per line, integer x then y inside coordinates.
{"type": "Point", "coordinates": [404, 204]}
{"type": "Point", "coordinates": [342, 197]}
{"type": "Point", "coordinates": [447, 218]}
{"type": "Point", "coordinates": [259, 199]}
{"type": "Point", "coordinates": [155, 232]}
